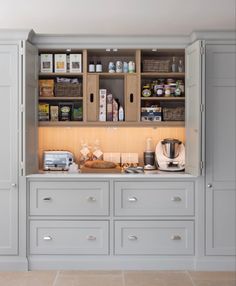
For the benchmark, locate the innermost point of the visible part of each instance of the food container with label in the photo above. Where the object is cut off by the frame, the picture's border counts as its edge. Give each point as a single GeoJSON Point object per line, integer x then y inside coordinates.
{"type": "Point", "coordinates": [159, 90]}
{"type": "Point", "coordinates": [146, 92]}
{"type": "Point", "coordinates": [111, 67]}
{"type": "Point", "coordinates": [119, 66]}
{"type": "Point", "coordinates": [167, 90]}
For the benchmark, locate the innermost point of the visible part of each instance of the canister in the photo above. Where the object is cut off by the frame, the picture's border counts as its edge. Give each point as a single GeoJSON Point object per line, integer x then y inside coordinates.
{"type": "Point", "coordinates": [111, 67]}
{"type": "Point", "coordinates": [119, 66]}
{"type": "Point", "coordinates": [131, 67]}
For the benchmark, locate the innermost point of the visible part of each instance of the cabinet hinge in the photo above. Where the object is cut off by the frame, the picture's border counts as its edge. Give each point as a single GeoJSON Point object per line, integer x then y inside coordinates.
{"type": "Point", "coordinates": [202, 50]}
{"type": "Point", "coordinates": [202, 107]}
{"type": "Point", "coordinates": [22, 108]}
{"type": "Point", "coordinates": [201, 164]}
{"type": "Point", "coordinates": [22, 165]}
{"type": "Point", "coordinates": [22, 51]}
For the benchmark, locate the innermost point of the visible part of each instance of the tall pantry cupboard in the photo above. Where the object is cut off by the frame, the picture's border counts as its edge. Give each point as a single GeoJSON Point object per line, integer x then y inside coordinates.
{"type": "Point", "coordinates": [210, 107]}
{"type": "Point", "coordinates": [18, 129]}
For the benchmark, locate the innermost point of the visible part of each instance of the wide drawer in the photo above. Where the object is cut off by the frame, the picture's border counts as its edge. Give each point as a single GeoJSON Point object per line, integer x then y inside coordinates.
{"type": "Point", "coordinates": [154, 198]}
{"type": "Point", "coordinates": [69, 198]}
{"type": "Point", "coordinates": [154, 237]}
{"type": "Point", "coordinates": [69, 237]}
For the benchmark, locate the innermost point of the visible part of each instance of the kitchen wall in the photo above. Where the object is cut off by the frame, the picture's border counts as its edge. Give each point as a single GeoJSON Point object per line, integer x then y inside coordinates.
{"type": "Point", "coordinates": [123, 17]}
{"type": "Point", "coordinates": [125, 139]}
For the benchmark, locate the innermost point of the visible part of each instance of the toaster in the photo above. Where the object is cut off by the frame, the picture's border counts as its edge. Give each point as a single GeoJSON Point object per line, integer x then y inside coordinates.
{"type": "Point", "coordinates": [57, 160]}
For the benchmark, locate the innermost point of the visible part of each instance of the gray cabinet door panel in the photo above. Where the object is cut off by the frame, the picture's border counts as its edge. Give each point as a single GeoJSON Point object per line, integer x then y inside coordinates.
{"type": "Point", "coordinates": [69, 237]}
{"type": "Point", "coordinates": [9, 149]}
{"type": "Point", "coordinates": [154, 198]}
{"type": "Point", "coordinates": [69, 198]}
{"type": "Point", "coordinates": [220, 149]}
{"type": "Point", "coordinates": [154, 237]}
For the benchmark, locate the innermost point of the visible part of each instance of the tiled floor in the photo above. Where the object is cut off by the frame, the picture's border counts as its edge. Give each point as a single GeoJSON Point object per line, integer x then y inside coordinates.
{"type": "Point", "coordinates": [117, 278]}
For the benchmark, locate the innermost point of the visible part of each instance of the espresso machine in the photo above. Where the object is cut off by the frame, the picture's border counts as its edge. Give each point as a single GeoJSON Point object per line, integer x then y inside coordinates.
{"type": "Point", "coordinates": [170, 155]}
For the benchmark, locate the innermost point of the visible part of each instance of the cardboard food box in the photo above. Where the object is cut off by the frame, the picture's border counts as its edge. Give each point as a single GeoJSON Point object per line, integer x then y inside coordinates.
{"type": "Point", "coordinates": [151, 114]}
{"type": "Point", "coordinates": [46, 87]}
{"type": "Point", "coordinates": [75, 63]}
{"type": "Point", "coordinates": [54, 113]}
{"type": "Point", "coordinates": [109, 107]}
{"type": "Point", "coordinates": [46, 63]}
{"type": "Point", "coordinates": [43, 111]}
{"type": "Point", "coordinates": [102, 104]}
{"type": "Point", "coordinates": [60, 63]}
{"type": "Point", "coordinates": [115, 110]}
{"type": "Point", "coordinates": [65, 111]}
{"type": "Point", "coordinates": [77, 112]}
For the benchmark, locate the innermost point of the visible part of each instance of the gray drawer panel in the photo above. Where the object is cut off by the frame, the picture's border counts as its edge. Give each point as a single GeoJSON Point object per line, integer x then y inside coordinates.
{"type": "Point", "coordinates": [154, 198]}
{"type": "Point", "coordinates": [69, 198]}
{"type": "Point", "coordinates": [69, 237]}
{"type": "Point", "coordinates": [154, 238]}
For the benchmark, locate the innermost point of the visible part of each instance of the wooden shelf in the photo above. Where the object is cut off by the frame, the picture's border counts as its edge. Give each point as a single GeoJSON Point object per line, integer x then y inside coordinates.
{"type": "Point", "coordinates": [55, 74]}
{"type": "Point", "coordinates": [163, 74]}
{"type": "Point", "coordinates": [111, 124]}
{"type": "Point", "coordinates": [54, 98]}
{"type": "Point", "coordinates": [108, 74]}
{"type": "Point", "coordinates": [163, 98]}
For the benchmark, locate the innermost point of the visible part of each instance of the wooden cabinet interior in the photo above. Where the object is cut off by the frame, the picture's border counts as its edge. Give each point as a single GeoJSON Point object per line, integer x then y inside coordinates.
{"type": "Point", "coordinates": [126, 87]}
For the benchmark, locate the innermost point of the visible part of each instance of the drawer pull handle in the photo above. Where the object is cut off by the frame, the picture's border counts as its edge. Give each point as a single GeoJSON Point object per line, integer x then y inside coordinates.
{"type": "Point", "coordinates": [47, 238]}
{"type": "Point", "coordinates": [132, 237]}
{"type": "Point", "coordinates": [47, 199]}
{"type": "Point", "coordinates": [176, 237]}
{"type": "Point", "coordinates": [91, 199]}
{"type": "Point", "coordinates": [132, 199]}
{"type": "Point", "coordinates": [176, 199]}
{"type": "Point", "coordinates": [91, 237]}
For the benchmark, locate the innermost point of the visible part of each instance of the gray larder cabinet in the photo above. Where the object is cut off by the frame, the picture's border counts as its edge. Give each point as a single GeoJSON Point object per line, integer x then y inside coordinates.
{"type": "Point", "coordinates": [220, 149]}
{"type": "Point", "coordinates": [9, 148]}
{"type": "Point", "coordinates": [18, 134]}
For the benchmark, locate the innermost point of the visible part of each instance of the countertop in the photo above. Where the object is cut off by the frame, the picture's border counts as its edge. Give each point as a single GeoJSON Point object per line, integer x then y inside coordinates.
{"type": "Point", "coordinates": [146, 175]}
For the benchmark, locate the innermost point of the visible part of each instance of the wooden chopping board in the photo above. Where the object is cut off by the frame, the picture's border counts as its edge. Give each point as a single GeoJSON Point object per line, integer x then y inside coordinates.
{"type": "Point", "coordinates": [100, 171]}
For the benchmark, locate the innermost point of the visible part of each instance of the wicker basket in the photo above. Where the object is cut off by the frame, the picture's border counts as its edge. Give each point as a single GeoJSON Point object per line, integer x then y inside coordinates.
{"type": "Point", "coordinates": [68, 89]}
{"type": "Point", "coordinates": [156, 65]}
{"type": "Point", "coordinates": [173, 113]}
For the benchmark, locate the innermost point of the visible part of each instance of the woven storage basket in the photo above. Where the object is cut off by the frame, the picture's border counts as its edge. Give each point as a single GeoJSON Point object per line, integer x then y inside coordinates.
{"type": "Point", "coordinates": [173, 113]}
{"type": "Point", "coordinates": [156, 65]}
{"type": "Point", "coordinates": [68, 89]}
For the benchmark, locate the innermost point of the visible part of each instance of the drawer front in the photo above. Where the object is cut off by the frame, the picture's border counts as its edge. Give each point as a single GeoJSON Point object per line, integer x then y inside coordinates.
{"type": "Point", "coordinates": [69, 237]}
{"type": "Point", "coordinates": [154, 198]}
{"type": "Point", "coordinates": [154, 238]}
{"type": "Point", "coordinates": [69, 198]}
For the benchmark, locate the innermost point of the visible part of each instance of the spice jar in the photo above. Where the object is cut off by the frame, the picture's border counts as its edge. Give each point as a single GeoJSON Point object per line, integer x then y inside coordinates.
{"type": "Point", "coordinates": [167, 90]}
{"type": "Point", "coordinates": [146, 92]}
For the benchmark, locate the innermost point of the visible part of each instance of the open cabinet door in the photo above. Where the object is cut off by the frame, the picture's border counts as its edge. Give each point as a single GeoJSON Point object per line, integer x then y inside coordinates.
{"type": "Point", "coordinates": [29, 148]}
{"type": "Point", "coordinates": [193, 108]}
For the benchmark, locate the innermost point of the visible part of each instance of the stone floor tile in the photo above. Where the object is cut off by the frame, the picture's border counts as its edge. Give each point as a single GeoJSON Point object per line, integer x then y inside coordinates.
{"type": "Point", "coordinates": [30, 278]}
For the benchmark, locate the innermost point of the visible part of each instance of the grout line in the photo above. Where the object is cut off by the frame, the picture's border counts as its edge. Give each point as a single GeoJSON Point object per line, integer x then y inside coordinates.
{"type": "Point", "coordinates": [190, 277]}
{"type": "Point", "coordinates": [55, 279]}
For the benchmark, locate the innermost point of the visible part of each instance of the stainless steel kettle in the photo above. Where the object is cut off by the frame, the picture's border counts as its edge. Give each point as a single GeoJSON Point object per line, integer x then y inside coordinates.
{"type": "Point", "coordinates": [171, 147]}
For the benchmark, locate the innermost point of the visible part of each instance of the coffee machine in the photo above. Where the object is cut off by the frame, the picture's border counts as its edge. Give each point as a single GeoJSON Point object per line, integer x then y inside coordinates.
{"type": "Point", "coordinates": [170, 155]}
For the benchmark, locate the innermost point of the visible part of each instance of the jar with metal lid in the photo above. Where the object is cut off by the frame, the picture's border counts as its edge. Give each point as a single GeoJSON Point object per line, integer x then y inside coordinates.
{"type": "Point", "coordinates": [167, 90]}
{"type": "Point", "coordinates": [160, 90]}
{"type": "Point", "coordinates": [172, 89]}
{"type": "Point", "coordinates": [146, 91]}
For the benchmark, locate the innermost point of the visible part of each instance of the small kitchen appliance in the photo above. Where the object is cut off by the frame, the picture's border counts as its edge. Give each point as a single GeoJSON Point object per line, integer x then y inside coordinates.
{"type": "Point", "coordinates": [149, 155]}
{"type": "Point", "coordinates": [57, 160]}
{"type": "Point", "coordinates": [170, 155]}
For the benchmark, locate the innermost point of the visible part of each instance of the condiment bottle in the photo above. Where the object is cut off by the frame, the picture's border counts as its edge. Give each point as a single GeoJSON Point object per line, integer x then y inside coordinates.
{"type": "Point", "coordinates": [91, 66]}
{"type": "Point", "coordinates": [99, 66]}
{"type": "Point", "coordinates": [174, 65]}
{"type": "Point", "coordinates": [121, 114]}
{"type": "Point", "coordinates": [180, 66]}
